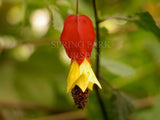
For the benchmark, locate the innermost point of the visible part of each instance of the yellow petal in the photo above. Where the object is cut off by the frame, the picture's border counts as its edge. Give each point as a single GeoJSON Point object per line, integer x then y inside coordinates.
{"type": "Point", "coordinates": [85, 68]}
{"type": "Point", "coordinates": [82, 75]}
{"type": "Point", "coordinates": [73, 75]}
{"type": "Point", "coordinates": [90, 85]}
{"type": "Point", "coordinates": [82, 82]}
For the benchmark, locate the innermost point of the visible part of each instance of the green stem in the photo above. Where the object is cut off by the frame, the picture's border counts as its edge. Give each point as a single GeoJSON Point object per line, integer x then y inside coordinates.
{"type": "Point", "coordinates": [98, 62]}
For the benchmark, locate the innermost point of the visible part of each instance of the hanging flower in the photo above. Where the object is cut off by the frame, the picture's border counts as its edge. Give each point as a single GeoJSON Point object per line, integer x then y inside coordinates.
{"type": "Point", "coordinates": [78, 37]}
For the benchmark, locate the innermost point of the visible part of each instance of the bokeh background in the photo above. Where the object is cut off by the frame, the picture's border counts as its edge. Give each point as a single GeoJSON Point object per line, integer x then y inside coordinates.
{"type": "Point", "coordinates": [34, 65]}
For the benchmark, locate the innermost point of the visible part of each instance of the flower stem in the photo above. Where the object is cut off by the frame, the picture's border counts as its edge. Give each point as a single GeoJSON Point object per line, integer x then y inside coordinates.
{"type": "Point", "coordinates": [98, 62]}
{"type": "Point", "coordinates": [77, 8]}
{"type": "Point", "coordinates": [118, 18]}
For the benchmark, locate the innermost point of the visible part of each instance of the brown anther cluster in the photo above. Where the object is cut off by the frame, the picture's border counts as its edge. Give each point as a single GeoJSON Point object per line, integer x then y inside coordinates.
{"type": "Point", "coordinates": [80, 98]}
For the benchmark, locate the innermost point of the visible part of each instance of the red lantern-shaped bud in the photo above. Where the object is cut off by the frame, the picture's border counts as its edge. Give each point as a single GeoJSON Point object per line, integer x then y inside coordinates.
{"type": "Point", "coordinates": [78, 37]}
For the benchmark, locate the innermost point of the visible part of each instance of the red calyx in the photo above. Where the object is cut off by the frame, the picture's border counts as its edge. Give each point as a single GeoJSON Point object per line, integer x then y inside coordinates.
{"type": "Point", "coordinates": [78, 37]}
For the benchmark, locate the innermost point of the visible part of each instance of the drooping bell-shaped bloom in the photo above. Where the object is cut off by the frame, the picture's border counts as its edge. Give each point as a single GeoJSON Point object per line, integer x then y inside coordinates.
{"type": "Point", "coordinates": [78, 37]}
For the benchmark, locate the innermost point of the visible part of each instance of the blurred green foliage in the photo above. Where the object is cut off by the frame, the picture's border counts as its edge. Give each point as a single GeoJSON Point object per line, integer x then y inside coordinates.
{"type": "Point", "coordinates": [34, 66]}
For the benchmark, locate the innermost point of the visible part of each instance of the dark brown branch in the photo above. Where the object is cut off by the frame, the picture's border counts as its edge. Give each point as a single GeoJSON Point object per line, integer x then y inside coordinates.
{"type": "Point", "coordinates": [118, 18]}
{"type": "Point", "coordinates": [98, 62]}
{"type": "Point", "coordinates": [78, 115]}
{"type": "Point", "coordinates": [144, 103]}
{"type": "Point", "coordinates": [2, 115]}
{"type": "Point", "coordinates": [29, 106]}
{"type": "Point", "coordinates": [36, 43]}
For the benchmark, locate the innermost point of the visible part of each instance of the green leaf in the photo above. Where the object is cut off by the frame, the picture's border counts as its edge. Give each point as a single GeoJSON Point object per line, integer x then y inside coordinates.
{"type": "Point", "coordinates": [57, 20]}
{"type": "Point", "coordinates": [117, 68]}
{"type": "Point", "coordinates": [153, 47]}
{"type": "Point", "coordinates": [147, 22]}
{"type": "Point", "coordinates": [120, 106]}
{"type": "Point", "coordinates": [63, 3]}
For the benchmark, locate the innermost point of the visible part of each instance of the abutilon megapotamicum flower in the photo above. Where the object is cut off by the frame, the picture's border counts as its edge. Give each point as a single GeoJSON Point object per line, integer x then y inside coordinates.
{"type": "Point", "coordinates": [78, 37]}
